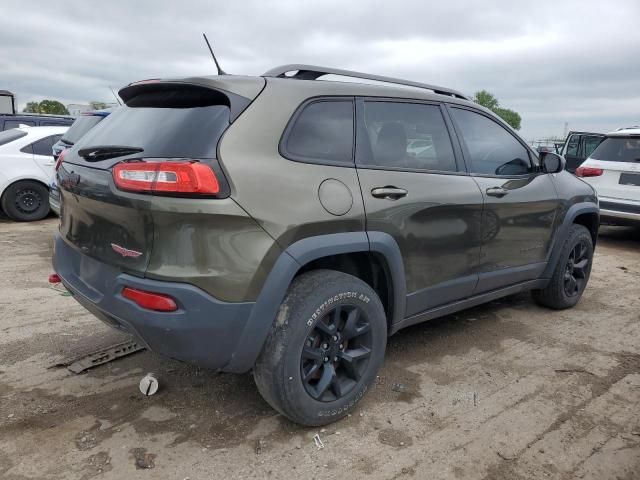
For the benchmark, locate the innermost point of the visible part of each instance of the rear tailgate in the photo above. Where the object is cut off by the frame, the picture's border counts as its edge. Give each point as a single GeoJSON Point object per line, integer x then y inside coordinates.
{"type": "Point", "coordinates": [162, 121]}
{"type": "Point", "coordinates": [619, 158]}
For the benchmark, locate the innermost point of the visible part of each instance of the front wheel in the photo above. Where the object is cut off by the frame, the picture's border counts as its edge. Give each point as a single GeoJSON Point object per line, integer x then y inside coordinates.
{"type": "Point", "coordinates": [26, 201]}
{"type": "Point", "coordinates": [325, 348]}
{"type": "Point", "coordinates": [572, 272]}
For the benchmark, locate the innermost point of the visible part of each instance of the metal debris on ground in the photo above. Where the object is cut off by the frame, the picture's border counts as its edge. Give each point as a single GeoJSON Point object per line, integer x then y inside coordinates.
{"type": "Point", "coordinates": [149, 384]}
{"type": "Point", "coordinates": [318, 441]}
{"type": "Point", "coordinates": [80, 364]}
{"type": "Point", "coordinates": [398, 387]}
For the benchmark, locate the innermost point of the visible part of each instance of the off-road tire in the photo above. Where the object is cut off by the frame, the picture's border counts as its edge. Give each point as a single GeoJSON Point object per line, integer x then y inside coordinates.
{"type": "Point", "coordinates": [314, 297]}
{"type": "Point", "coordinates": [26, 201]}
{"type": "Point", "coordinates": [555, 295]}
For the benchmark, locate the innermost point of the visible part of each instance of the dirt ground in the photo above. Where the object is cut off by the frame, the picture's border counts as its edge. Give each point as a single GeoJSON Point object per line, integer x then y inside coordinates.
{"type": "Point", "coordinates": [508, 390]}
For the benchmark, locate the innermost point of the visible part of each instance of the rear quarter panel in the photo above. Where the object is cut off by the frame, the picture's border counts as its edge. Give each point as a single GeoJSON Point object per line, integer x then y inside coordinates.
{"type": "Point", "coordinates": [281, 194]}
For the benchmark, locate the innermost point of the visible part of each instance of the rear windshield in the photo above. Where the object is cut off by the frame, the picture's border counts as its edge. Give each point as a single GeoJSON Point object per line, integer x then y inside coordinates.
{"type": "Point", "coordinates": [82, 125]}
{"type": "Point", "coordinates": [10, 135]}
{"type": "Point", "coordinates": [618, 149]}
{"type": "Point", "coordinates": [162, 132]}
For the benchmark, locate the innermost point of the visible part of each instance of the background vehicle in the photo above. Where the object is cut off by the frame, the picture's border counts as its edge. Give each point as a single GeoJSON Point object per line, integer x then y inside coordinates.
{"type": "Point", "coordinates": [82, 125]}
{"type": "Point", "coordinates": [26, 166]}
{"type": "Point", "coordinates": [614, 171]}
{"type": "Point", "coordinates": [7, 102]}
{"type": "Point", "coordinates": [222, 220]}
{"type": "Point", "coordinates": [8, 122]}
{"type": "Point", "coordinates": [578, 146]}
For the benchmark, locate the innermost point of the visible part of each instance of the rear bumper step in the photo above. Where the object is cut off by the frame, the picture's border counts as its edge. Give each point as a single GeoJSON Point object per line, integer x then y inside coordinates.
{"type": "Point", "coordinates": [203, 330]}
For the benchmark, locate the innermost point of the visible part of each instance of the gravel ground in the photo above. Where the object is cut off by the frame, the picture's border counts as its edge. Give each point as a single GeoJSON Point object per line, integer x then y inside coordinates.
{"type": "Point", "coordinates": [508, 390]}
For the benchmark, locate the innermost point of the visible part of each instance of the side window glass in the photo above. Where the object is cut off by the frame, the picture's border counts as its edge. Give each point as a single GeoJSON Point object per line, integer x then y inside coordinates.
{"type": "Point", "coordinates": [407, 135]}
{"type": "Point", "coordinates": [493, 150]}
{"type": "Point", "coordinates": [323, 132]}
{"type": "Point", "coordinates": [44, 146]}
{"type": "Point", "coordinates": [590, 144]}
{"type": "Point", "coordinates": [16, 124]}
{"type": "Point", "coordinates": [572, 145]}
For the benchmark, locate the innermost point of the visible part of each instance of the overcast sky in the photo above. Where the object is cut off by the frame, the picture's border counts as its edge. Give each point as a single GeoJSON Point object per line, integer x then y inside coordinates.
{"type": "Point", "coordinates": [552, 61]}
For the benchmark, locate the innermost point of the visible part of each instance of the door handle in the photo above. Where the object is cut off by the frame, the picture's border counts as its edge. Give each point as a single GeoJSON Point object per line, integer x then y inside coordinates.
{"type": "Point", "coordinates": [390, 193]}
{"type": "Point", "coordinates": [497, 192]}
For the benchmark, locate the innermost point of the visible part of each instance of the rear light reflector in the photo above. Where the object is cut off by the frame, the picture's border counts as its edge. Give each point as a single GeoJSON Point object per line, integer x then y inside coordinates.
{"type": "Point", "coordinates": [179, 177]}
{"type": "Point", "coordinates": [150, 300]}
{"type": "Point", "coordinates": [588, 172]}
{"type": "Point", "coordinates": [54, 278]}
{"type": "Point", "coordinates": [61, 158]}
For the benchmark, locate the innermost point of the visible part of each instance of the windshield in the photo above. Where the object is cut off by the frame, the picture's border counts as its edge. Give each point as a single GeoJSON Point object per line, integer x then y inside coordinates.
{"type": "Point", "coordinates": [82, 125]}
{"type": "Point", "coordinates": [618, 149]}
{"type": "Point", "coordinates": [10, 135]}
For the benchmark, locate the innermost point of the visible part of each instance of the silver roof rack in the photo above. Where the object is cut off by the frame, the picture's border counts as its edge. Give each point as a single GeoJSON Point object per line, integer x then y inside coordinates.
{"type": "Point", "coordinates": [312, 72]}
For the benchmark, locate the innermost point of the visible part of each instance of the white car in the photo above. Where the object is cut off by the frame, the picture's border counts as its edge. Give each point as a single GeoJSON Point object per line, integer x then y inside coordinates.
{"type": "Point", "coordinates": [613, 169]}
{"type": "Point", "coordinates": [26, 167]}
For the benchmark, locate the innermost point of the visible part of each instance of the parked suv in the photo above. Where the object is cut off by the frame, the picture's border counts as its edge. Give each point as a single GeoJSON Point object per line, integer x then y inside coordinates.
{"type": "Point", "coordinates": [613, 169]}
{"type": "Point", "coordinates": [290, 225]}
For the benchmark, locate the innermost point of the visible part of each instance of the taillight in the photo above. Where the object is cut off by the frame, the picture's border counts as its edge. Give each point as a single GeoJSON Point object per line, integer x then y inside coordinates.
{"type": "Point", "coordinates": [179, 177]}
{"type": "Point", "coordinates": [588, 172]}
{"type": "Point", "coordinates": [150, 300]}
{"type": "Point", "coordinates": [61, 158]}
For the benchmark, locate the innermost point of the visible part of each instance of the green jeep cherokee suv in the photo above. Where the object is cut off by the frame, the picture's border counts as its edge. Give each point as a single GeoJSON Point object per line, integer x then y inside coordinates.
{"type": "Point", "coordinates": [289, 225]}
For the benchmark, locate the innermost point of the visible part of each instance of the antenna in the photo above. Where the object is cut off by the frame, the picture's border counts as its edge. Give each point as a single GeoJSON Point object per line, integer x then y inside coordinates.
{"type": "Point", "coordinates": [116, 96]}
{"type": "Point", "coordinates": [220, 71]}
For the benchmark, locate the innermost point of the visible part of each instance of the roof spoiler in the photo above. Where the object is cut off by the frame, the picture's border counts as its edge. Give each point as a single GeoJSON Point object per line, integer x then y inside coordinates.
{"type": "Point", "coordinates": [313, 72]}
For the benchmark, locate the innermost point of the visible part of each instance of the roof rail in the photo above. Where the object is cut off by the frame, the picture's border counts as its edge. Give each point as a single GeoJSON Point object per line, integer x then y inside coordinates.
{"type": "Point", "coordinates": [628, 128]}
{"type": "Point", "coordinates": [312, 72]}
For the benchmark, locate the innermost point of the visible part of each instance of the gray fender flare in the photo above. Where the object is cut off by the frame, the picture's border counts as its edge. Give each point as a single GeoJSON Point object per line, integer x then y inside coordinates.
{"type": "Point", "coordinates": [563, 232]}
{"type": "Point", "coordinates": [289, 263]}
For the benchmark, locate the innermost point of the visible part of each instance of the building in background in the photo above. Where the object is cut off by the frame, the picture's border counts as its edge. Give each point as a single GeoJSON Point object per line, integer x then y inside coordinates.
{"type": "Point", "coordinates": [76, 109]}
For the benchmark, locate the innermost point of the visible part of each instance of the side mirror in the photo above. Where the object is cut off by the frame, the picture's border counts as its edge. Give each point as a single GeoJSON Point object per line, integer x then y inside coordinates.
{"type": "Point", "coordinates": [552, 162]}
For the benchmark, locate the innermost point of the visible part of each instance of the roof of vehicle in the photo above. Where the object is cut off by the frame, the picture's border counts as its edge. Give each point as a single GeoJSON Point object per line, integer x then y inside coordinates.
{"type": "Point", "coordinates": [36, 115]}
{"type": "Point", "coordinates": [5, 92]}
{"type": "Point", "coordinates": [578, 132]}
{"type": "Point", "coordinates": [97, 113]}
{"type": "Point", "coordinates": [350, 83]}
{"type": "Point", "coordinates": [625, 132]}
{"type": "Point", "coordinates": [44, 131]}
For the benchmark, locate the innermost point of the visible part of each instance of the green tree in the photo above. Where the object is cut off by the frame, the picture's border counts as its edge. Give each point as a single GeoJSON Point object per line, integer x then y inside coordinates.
{"type": "Point", "coordinates": [32, 107]}
{"type": "Point", "coordinates": [53, 107]}
{"type": "Point", "coordinates": [98, 105]}
{"type": "Point", "coordinates": [489, 101]}
{"type": "Point", "coordinates": [46, 106]}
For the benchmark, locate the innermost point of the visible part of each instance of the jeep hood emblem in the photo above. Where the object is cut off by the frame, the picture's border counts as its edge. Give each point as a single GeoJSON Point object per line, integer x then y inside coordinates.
{"type": "Point", "coordinates": [125, 252]}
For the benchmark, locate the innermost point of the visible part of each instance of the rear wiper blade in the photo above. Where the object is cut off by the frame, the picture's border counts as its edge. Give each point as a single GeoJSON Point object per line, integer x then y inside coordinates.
{"type": "Point", "coordinates": [104, 152]}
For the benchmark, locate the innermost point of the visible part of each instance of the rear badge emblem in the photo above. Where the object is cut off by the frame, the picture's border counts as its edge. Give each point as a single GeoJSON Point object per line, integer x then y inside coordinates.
{"type": "Point", "coordinates": [125, 252]}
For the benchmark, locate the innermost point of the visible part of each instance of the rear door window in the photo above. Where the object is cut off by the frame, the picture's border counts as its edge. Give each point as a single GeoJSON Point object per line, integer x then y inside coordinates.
{"type": "Point", "coordinates": [82, 125]}
{"type": "Point", "coordinates": [322, 132]}
{"type": "Point", "coordinates": [43, 146]}
{"type": "Point", "coordinates": [492, 150]}
{"type": "Point", "coordinates": [406, 135]}
{"type": "Point", "coordinates": [618, 149]}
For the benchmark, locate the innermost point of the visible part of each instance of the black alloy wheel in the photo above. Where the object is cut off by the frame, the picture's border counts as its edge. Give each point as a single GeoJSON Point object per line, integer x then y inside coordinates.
{"type": "Point", "coordinates": [575, 273]}
{"type": "Point", "coordinates": [336, 353]}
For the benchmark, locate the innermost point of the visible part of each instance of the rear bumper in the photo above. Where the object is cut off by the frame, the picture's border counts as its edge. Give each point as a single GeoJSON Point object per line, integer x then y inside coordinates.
{"type": "Point", "coordinates": [613, 210]}
{"type": "Point", "coordinates": [203, 331]}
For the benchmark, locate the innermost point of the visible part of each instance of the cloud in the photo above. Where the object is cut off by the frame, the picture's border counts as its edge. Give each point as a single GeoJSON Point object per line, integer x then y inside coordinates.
{"type": "Point", "coordinates": [553, 62]}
